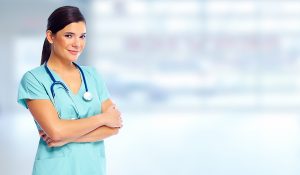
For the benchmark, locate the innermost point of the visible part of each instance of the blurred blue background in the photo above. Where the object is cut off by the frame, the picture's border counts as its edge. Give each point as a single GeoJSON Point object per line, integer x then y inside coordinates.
{"type": "Point", "coordinates": [205, 87]}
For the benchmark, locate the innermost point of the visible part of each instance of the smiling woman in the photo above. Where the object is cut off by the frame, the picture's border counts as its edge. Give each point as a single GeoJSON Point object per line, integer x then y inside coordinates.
{"type": "Point", "coordinates": [70, 103]}
{"type": "Point", "coordinates": [69, 42]}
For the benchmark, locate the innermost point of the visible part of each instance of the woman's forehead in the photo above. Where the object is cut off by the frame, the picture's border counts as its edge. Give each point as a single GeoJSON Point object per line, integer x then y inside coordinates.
{"type": "Point", "coordinates": [75, 27]}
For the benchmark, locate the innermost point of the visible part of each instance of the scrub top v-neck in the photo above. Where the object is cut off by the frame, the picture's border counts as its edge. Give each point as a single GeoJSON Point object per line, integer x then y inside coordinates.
{"type": "Point", "coordinates": [85, 158]}
{"type": "Point", "coordinates": [58, 78]}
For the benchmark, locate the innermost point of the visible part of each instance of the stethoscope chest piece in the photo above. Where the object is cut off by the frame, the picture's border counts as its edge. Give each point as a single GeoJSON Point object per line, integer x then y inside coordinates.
{"type": "Point", "coordinates": [87, 96]}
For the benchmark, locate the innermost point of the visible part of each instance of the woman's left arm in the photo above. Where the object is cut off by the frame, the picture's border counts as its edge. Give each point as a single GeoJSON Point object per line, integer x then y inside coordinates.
{"type": "Point", "coordinates": [98, 134]}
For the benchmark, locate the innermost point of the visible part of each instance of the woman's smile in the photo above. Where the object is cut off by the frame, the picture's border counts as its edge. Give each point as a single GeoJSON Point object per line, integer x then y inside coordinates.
{"type": "Point", "coordinates": [74, 52]}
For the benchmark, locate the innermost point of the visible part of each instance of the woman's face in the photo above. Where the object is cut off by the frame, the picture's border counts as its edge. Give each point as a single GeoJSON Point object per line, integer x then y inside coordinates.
{"type": "Point", "coordinates": [69, 42]}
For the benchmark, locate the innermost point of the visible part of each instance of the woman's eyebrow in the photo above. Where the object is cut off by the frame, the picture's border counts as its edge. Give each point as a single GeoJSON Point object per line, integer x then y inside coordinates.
{"type": "Point", "coordinates": [71, 33]}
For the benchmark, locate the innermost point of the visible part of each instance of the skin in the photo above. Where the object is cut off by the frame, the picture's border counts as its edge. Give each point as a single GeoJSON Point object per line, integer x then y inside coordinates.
{"type": "Point", "coordinates": [66, 46]}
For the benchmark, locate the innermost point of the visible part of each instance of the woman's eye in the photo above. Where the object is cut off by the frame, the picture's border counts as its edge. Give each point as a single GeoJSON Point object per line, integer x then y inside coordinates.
{"type": "Point", "coordinates": [68, 36]}
{"type": "Point", "coordinates": [83, 36]}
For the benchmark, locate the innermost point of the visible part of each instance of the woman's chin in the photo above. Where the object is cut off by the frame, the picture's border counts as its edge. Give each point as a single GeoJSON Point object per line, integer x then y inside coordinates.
{"type": "Point", "coordinates": [73, 58]}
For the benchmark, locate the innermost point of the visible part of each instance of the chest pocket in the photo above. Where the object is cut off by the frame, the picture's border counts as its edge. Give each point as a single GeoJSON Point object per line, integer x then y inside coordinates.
{"type": "Point", "coordinates": [64, 104]}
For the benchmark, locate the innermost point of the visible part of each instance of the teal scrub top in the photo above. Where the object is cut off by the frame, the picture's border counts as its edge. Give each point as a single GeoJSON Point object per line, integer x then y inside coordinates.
{"type": "Point", "coordinates": [84, 158]}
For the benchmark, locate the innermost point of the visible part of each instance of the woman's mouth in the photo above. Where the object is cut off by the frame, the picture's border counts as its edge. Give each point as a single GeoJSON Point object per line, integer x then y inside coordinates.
{"type": "Point", "coordinates": [73, 52]}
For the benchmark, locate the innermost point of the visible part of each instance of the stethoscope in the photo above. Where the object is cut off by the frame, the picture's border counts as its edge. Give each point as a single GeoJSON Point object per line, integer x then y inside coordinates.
{"type": "Point", "coordinates": [87, 96]}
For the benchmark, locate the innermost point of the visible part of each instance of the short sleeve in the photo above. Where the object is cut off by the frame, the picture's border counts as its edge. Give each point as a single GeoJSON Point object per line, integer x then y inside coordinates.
{"type": "Point", "coordinates": [101, 86]}
{"type": "Point", "coordinates": [30, 88]}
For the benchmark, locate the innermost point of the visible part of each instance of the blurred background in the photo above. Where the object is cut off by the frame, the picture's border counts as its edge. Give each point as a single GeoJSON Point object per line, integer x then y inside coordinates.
{"type": "Point", "coordinates": [205, 87]}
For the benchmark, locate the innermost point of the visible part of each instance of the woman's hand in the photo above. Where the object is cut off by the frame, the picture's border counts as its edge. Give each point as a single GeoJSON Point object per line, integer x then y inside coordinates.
{"type": "Point", "coordinates": [113, 117]}
{"type": "Point", "coordinates": [50, 142]}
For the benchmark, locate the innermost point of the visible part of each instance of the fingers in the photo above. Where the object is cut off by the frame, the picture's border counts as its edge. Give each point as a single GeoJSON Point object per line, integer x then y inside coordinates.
{"type": "Point", "coordinates": [120, 123]}
{"type": "Point", "coordinates": [114, 110]}
{"type": "Point", "coordinates": [113, 106]}
{"type": "Point", "coordinates": [49, 141]}
{"type": "Point", "coordinates": [44, 136]}
{"type": "Point", "coordinates": [115, 119]}
{"type": "Point", "coordinates": [116, 123]}
{"type": "Point", "coordinates": [41, 132]}
{"type": "Point", "coordinates": [51, 144]}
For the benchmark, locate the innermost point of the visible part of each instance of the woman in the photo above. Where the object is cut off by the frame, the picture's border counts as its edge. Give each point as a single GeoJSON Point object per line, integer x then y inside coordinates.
{"type": "Point", "coordinates": [70, 103]}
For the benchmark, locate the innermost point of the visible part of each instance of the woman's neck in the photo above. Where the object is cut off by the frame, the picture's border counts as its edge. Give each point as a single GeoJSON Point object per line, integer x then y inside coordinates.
{"type": "Point", "coordinates": [60, 64]}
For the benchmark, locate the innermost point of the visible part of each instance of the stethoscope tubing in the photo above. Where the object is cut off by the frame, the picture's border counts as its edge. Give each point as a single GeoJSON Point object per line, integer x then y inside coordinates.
{"type": "Point", "coordinates": [55, 82]}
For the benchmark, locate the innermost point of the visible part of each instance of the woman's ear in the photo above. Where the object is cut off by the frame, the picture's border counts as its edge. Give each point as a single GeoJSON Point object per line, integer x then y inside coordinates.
{"type": "Point", "coordinates": [49, 36]}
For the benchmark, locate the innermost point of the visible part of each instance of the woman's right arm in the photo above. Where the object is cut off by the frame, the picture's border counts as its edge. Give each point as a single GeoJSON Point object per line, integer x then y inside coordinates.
{"type": "Point", "coordinates": [45, 114]}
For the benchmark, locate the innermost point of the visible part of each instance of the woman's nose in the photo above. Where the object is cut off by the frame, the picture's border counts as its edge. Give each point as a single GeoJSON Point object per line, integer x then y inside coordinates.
{"type": "Point", "coordinates": [76, 42]}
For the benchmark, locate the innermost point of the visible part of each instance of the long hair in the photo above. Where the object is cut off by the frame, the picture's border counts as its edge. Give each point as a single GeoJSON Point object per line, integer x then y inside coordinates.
{"type": "Point", "coordinates": [60, 18]}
